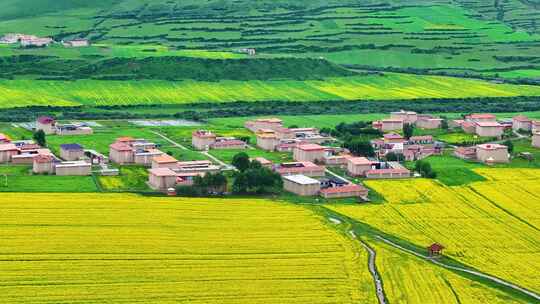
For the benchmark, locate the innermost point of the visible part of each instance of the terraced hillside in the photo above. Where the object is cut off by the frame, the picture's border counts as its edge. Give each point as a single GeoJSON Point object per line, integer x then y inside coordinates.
{"type": "Point", "coordinates": [490, 38]}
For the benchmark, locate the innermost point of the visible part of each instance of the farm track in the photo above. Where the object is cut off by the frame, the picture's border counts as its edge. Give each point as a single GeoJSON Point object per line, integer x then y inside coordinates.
{"type": "Point", "coordinates": [472, 272]}
{"type": "Point", "coordinates": [373, 270]}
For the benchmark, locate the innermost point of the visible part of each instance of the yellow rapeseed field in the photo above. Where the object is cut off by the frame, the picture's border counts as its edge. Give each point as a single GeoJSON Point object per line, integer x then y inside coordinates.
{"type": "Point", "coordinates": [408, 279]}
{"type": "Point", "coordinates": [96, 248]}
{"type": "Point", "coordinates": [492, 226]}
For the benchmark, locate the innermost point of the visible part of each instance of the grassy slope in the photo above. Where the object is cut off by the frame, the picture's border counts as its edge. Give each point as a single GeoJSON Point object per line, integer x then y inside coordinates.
{"type": "Point", "coordinates": [391, 86]}
{"type": "Point", "coordinates": [126, 248]}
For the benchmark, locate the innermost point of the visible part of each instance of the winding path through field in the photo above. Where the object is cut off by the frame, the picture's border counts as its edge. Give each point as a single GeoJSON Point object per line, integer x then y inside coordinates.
{"type": "Point", "coordinates": [476, 273]}
{"type": "Point", "coordinates": [373, 270]}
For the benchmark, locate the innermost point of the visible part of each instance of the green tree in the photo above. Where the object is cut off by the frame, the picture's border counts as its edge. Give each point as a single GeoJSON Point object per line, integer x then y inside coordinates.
{"type": "Point", "coordinates": [241, 161]}
{"type": "Point", "coordinates": [510, 146]}
{"type": "Point", "coordinates": [424, 168]}
{"type": "Point", "coordinates": [408, 130]}
{"type": "Point", "coordinates": [360, 147]}
{"type": "Point", "coordinates": [40, 138]}
{"type": "Point", "coordinates": [444, 124]}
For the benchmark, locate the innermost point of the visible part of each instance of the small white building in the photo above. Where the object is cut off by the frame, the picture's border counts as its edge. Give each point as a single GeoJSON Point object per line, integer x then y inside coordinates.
{"type": "Point", "coordinates": [301, 185]}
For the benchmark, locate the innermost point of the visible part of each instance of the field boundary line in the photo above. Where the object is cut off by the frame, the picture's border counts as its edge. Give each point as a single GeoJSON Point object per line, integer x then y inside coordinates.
{"type": "Point", "coordinates": [472, 272]}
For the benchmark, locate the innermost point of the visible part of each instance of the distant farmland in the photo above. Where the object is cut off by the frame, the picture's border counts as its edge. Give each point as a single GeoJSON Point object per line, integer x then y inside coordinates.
{"type": "Point", "coordinates": [18, 93]}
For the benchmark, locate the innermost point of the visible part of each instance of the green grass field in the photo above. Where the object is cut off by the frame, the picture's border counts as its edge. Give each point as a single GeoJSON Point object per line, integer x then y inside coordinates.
{"type": "Point", "coordinates": [18, 93]}
{"type": "Point", "coordinates": [20, 179]}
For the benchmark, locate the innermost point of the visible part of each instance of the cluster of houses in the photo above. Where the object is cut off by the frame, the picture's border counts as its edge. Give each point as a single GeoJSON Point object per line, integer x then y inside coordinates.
{"type": "Point", "coordinates": [72, 160]}
{"type": "Point", "coordinates": [412, 149]}
{"type": "Point", "coordinates": [273, 136]}
{"type": "Point", "coordinates": [35, 41]}
{"type": "Point", "coordinates": [205, 140]}
{"type": "Point", "coordinates": [398, 119]}
{"type": "Point", "coordinates": [49, 126]}
{"type": "Point", "coordinates": [481, 124]}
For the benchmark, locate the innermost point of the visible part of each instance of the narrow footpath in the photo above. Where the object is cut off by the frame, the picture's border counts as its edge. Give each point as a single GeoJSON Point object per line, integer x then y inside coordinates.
{"type": "Point", "coordinates": [475, 273]}
{"type": "Point", "coordinates": [373, 270]}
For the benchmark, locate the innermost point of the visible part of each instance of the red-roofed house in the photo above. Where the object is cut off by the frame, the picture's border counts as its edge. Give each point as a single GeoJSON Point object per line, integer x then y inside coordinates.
{"type": "Point", "coordinates": [483, 117]}
{"type": "Point", "coordinates": [202, 139]}
{"type": "Point", "coordinates": [358, 166]}
{"type": "Point", "coordinates": [43, 164]}
{"type": "Point", "coordinates": [387, 125]}
{"type": "Point", "coordinates": [121, 153]}
{"type": "Point", "coordinates": [350, 190]}
{"type": "Point", "coordinates": [161, 178]}
{"type": "Point", "coordinates": [7, 151]}
{"type": "Point", "coordinates": [492, 153]}
{"type": "Point", "coordinates": [428, 122]}
{"type": "Point", "coordinates": [521, 122]}
{"type": "Point", "coordinates": [489, 129]}
{"type": "Point", "coordinates": [164, 161]}
{"type": "Point", "coordinates": [465, 153]}
{"type": "Point", "coordinates": [388, 173]}
{"type": "Point", "coordinates": [4, 139]}
{"type": "Point", "coordinates": [304, 168]}
{"type": "Point", "coordinates": [393, 138]}
{"type": "Point", "coordinates": [47, 124]}
{"type": "Point", "coordinates": [309, 153]}
{"type": "Point", "coordinates": [468, 127]}
{"type": "Point", "coordinates": [435, 249]}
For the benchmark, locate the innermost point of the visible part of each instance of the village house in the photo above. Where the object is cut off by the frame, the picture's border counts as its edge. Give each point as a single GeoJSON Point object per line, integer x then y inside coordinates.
{"type": "Point", "coordinates": [32, 41]}
{"type": "Point", "coordinates": [465, 153]}
{"type": "Point", "coordinates": [468, 127]}
{"type": "Point", "coordinates": [387, 125]}
{"type": "Point", "coordinates": [223, 143]}
{"type": "Point", "coordinates": [428, 122]}
{"type": "Point", "coordinates": [358, 166]}
{"type": "Point", "coordinates": [26, 153]}
{"type": "Point", "coordinates": [71, 152]}
{"type": "Point", "coordinates": [73, 129]}
{"type": "Point", "coordinates": [337, 160]}
{"type": "Point", "coordinates": [164, 161]}
{"type": "Point", "coordinates": [4, 139]}
{"type": "Point", "coordinates": [492, 153]}
{"type": "Point", "coordinates": [47, 124]}
{"type": "Point", "coordinates": [161, 178]}
{"type": "Point", "coordinates": [264, 123]}
{"type": "Point", "coordinates": [79, 42]}
{"type": "Point", "coordinates": [421, 140]}
{"type": "Point", "coordinates": [267, 139]}
{"type": "Point", "coordinates": [263, 161]}
{"type": "Point", "coordinates": [200, 167]}
{"type": "Point", "coordinates": [303, 168]}
{"type": "Point", "coordinates": [393, 138]}
{"type": "Point", "coordinates": [7, 151]}
{"type": "Point", "coordinates": [535, 126]}
{"type": "Point", "coordinates": [521, 122]}
{"type": "Point", "coordinates": [202, 139]}
{"type": "Point", "coordinates": [455, 123]}
{"type": "Point", "coordinates": [309, 153]}
{"type": "Point", "coordinates": [127, 150]}
{"type": "Point", "coordinates": [43, 164]}
{"type": "Point", "coordinates": [536, 140]}
{"type": "Point", "coordinates": [483, 117]}
{"type": "Point", "coordinates": [489, 129]}
{"type": "Point", "coordinates": [350, 190]}
{"type": "Point", "coordinates": [418, 152]}
{"type": "Point", "coordinates": [301, 185]}
{"type": "Point", "coordinates": [73, 168]}
{"type": "Point", "coordinates": [181, 174]}
{"type": "Point", "coordinates": [388, 173]}
{"type": "Point", "coordinates": [405, 116]}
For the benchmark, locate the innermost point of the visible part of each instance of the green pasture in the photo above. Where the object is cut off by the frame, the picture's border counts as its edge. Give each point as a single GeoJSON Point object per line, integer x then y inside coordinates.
{"type": "Point", "coordinates": [20, 179]}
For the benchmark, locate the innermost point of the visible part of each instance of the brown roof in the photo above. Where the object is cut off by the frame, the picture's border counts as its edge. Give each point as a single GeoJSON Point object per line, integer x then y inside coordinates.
{"type": "Point", "coordinates": [46, 120]}
{"type": "Point", "coordinates": [310, 147]}
{"type": "Point", "coordinates": [120, 146]}
{"type": "Point", "coordinates": [344, 189]}
{"type": "Point", "coordinates": [436, 247]}
{"type": "Point", "coordinates": [489, 124]}
{"type": "Point", "coordinates": [8, 147]}
{"type": "Point", "coordinates": [42, 159]}
{"type": "Point", "coordinates": [161, 172]}
{"type": "Point", "coordinates": [481, 116]}
{"type": "Point", "coordinates": [164, 159]}
{"type": "Point", "coordinates": [125, 139]}
{"type": "Point", "coordinates": [203, 133]}
{"type": "Point", "coordinates": [386, 171]}
{"type": "Point", "coordinates": [360, 161]}
{"type": "Point", "coordinates": [521, 118]}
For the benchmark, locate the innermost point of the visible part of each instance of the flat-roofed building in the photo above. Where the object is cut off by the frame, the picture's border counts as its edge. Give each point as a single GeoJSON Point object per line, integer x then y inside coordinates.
{"type": "Point", "coordinates": [393, 138]}
{"type": "Point", "coordinates": [73, 129]}
{"type": "Point", "coordinates": [200, 167]}
{"type": "Point", "coordinates": [405, 116]}
{"type": "Point", "coordinates": [303, 168]}
{"type": "Point", "coordinates": [350, 190]}
{"type": "Point", "coordinates": [228, 143]}
{"type": "Point", "coordinates": [202, 139]}
{"type": "Point", "coordinates": [267, 139]}
{"type": "Point", "coordinates": [161, 178]}
{"type": "Point", "coordinates": [388, 173]}
{"type": "Point", "coordinates": [7, 151]}
{"type": "Point", "coordinates": [536, 140]}
{"type": "Point", "coordinates": [337, 160]}
{"type": "Point", "coordinates": [144, 157]}
{"type": "Point", "coordinates": [47, 124]}
{"type": "Point", "coordinates": [71, 152]}
{"type": "Point", "coordinates": [264, 123]}
{"type": "Point", "coordinates": [43, 164]}
{"type": "Point", "coordinates": [79, 42]}
{"type": "Point", "coordinates": [428, 122]}
{"type": "Point", "coordinates": [301, 185]}
{"type": "Point", "coordinates": [421, 140]}
{"type": "Point", "coordinates": [73, 168]}
{"type": "Point", "coordinates": [481, 117]}
{"type": "Point", "coordinates": [521, 122]}
{"type": "Point", "coordinates": [387, 125]}
{"type": "Point", "coordinates": [492, 153]}
{"type": "Point", "coordinates": [489, 129]}
{"type": "Point", "coordinates": [164, 161]}
{"type": "Point", "coordinates": [309, 153]}
{"type": "Point", "coordinates": [358, 166]}
{"type": "Point", "coordinates": [127, 150]}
